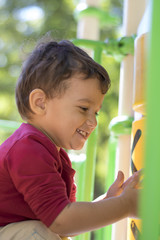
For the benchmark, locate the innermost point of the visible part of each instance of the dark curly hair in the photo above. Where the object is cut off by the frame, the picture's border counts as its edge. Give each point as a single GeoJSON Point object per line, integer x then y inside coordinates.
{"type": "Point", "coordinates": [49, 66]}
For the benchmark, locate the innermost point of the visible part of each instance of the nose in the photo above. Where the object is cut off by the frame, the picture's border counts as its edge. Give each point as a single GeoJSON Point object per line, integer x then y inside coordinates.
{"type": "Point", "coordinates": [92, 121]}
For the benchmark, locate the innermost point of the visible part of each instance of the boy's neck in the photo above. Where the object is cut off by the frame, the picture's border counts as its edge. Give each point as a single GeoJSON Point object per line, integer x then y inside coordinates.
{"type": "Point", "coordinates": [44, 132]}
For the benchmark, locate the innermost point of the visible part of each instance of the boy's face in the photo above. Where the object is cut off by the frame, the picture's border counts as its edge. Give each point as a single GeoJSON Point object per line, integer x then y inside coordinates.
{"type": "Point", "coordinates": [70, 119]}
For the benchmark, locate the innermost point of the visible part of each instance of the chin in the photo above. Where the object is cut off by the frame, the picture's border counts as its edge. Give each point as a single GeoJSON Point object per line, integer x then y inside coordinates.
{"type": "Point", "coordinates": [79, 147]}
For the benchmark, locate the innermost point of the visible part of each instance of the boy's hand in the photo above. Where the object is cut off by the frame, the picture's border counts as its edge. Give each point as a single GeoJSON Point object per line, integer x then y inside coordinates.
{"type": "Point", "coordinates": [117, 187]}
{"type": "Point", "coordinates": [130, 195]}
{"type": "Point", "coordinates": [80, 217]}
{"type": "Point", "coordinates": [136, 175]}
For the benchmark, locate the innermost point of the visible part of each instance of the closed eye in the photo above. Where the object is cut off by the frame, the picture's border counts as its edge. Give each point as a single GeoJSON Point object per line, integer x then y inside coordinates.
{"type": "Point", "coordinates": [84, 109]}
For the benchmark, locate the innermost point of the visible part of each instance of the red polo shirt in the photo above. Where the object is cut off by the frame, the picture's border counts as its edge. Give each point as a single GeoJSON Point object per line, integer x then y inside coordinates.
{"type": "Point", "coordinates": [36, 180]}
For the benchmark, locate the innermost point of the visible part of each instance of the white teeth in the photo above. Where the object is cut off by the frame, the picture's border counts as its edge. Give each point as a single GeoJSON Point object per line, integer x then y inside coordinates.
{"type": "Point", "coordinates": [82, 132]}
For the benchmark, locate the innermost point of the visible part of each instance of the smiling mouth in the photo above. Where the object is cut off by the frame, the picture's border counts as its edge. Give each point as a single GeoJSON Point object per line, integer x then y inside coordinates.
{"type": "Point", "coordinates": [83, 133]}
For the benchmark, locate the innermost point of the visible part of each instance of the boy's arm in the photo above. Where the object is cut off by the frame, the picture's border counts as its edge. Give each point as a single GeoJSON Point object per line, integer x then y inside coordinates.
{"type": "Point", "coordinates": [80, 217]}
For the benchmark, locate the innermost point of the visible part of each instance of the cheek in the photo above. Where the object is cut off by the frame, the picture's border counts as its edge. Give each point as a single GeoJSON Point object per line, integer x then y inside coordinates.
{"type": "Point", "coordinates": [69, 121]}
{"type": "Point", "coordinates": [72, 125]}
{"type": "Point", "coordinates": [79, 119]}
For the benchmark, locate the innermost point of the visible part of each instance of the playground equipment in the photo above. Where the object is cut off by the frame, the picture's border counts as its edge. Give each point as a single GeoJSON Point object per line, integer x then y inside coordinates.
{"type": "Point", "coordinates": [120, 127]}
{"type": "Point", "coordinates": [150, 207]}
{"type": "Point", "coordinates": [138, 126]}
{"type": "Point", "coordinates": [130, 26]}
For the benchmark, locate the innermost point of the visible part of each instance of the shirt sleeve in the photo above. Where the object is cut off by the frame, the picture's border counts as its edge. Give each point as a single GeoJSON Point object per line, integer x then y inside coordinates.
{"type": "Point", "coordinates": [70, 172]}
{"type": "Point", "coordinates": [35, 172]}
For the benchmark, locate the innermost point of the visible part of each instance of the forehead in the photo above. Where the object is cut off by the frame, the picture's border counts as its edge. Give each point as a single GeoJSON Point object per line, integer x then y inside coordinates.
{"type": "Point", "coordinates": [84, 90]}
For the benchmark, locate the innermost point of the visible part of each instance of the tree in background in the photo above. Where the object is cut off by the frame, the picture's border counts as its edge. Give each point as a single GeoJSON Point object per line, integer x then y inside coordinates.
{"type": "Point", "coordinates": [22, 23]}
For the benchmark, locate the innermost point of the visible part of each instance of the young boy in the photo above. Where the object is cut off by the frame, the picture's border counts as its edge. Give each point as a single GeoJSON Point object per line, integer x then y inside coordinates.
{"type": "Point", "coordinates": [58, 94]}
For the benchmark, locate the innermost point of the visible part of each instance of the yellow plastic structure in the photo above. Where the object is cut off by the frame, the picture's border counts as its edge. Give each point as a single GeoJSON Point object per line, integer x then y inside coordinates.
{"type": "Point", "coordinates": [137, 156]}
{"type": "Point", "coordinates": [138, 126]}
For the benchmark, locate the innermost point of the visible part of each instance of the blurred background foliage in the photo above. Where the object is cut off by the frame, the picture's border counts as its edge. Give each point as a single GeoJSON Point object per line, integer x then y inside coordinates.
{"type": "Point", "coordinates": [22, 24]}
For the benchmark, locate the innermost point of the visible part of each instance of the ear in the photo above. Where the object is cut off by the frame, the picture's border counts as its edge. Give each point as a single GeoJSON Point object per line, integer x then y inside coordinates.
{"type": "Point", "coordinates": [37, 101]}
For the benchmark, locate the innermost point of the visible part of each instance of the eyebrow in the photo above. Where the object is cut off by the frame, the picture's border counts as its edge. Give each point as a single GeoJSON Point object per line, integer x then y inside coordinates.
{"type": "Point", "coordinates": [85, 100]}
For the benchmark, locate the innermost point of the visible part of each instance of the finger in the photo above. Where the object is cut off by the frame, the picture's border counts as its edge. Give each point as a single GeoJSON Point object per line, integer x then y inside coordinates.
{"type": "Point", "coordinates": [141, 174]}
{"type": "Point", "coordinates": [140, 180]}
{"type": "Point", "coordinates": [141, 171]}
{"type": "Point", "coordinates": [120, 179]}
{"type": "Point", "coordinates": [130, 179]}
{"type": "Point", "coordinates": [137, 175]}
{"type": "Point", "coordinates": [135, 181]}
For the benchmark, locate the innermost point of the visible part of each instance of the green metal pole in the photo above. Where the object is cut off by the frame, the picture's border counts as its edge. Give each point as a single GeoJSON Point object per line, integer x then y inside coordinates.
{"type": "Point", "coordinates": [90, 166]}
{"type": "Point", "coordinates": [115, 47]}
{"type": "Point", "coordinates": [150, 204]}
{"type": "Point", "coordinates": [112, 146]}
{"type": "Point", "coordinates": [91, 155]}
{"type": "Point", "coordinates": [90, 172]}
{"type": "Point", "coordinates": [106, 232]}
{"type": "Point", "coordinates": [91, 151]}
{"type": "Point", "coordinates": [97, 54]}
{"type": "Point", "coordinates": [79, 166]}
{"type": "Point", "coordinates": [8, 125]}
{"type": "Point", "coordinates": [104, 17]}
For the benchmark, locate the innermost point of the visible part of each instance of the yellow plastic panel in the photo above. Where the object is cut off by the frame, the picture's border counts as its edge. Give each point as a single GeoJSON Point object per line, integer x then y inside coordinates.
{"type": "Point", "coordinates": [137, 162]}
